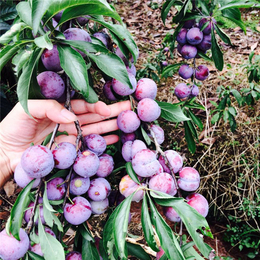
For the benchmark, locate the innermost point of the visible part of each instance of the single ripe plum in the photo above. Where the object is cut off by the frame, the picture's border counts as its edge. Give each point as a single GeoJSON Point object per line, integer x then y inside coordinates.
{"type": "Point", "coordinates": [107, 91]}
{"type": "Point", "coordinates": [164, 63]}
{"type": "Point", "coordinates": [99, 189]}
{"type": "Point", "coordinates": [207, 29]}
{"type": "Point", "coordinates": [51, 84]}
{"type": "Point", "coordinates": [51, 60]}
{"type": "Point", "coordinates": [185, 71]}
{"type": "Point", "coordinates": [22, 178]}
{"type": "Point", "coordinates": [146, 88]}
{"type": "Point", "coordinates": [56, 189]}
{"type": "Point", "coordinates": [194, 91]}
{"type": "Point", "coordinates": [127, 186]}
{"type": "Point", "coordinates": [127, 137]}
{"type": "Point", "coordinates": [99, 207]}
{"type": "Point", "coordinates": [201, 72]}
{"type": "Point", "coordinates": [188, 51]}
{"type": "Point", "coordinates": [188, 24]}
{"type": "Point", "coordinates": [79, 185]}
{"type": "Point", "coordinates": [163, 182]}
{"type": "Point", "coordinates": [37, 161]}
{"type": "Point", "coordinates": [205, 44]}
{"type": "Point", "coordinates": [198, 202]}
{"type": "Point", "coordinates": [145, 163]}
{"type": "Point", "coordinates": [189, 179]}
{"type": "Point", "coordinates": [131, 69]}
{"type": "Point", "coordinates": [73, 255]}
{"type": "Point", "coordinates": [86, 164]}
{"type": "Point", "coordinates": [179, 47]}
{"type": "Point", "coordinates": [28, 212]}
{"type": "Point", "coordinates": [77, 34]}
{"type": "Point", "coordinates": [194, 36]}
{"type": "Point", "coordinates": [123, 89]}
{"type": "Point", "coordinates": [158, 132]}
{"type": "Point", "coordinates": [128, 121]}
{"type": "Point", "coordinates": [11, 248]}
{"type": "Point", "coordinates": [181, 36]}
{"type": "Point", "coordinates": [171, 214]}
{"type": "Point", "coordinates": [148, 110]}
{"type": "Point", "coordinates": [78, 212]}
{"type": "Point", "coordinates": [104, 38]}
{"type": "Point", "coordinates": [174, 159]}
{"type": "Point", "coordinates": [95, 143]}
{"type": "Point", "coordinates": [64, 155]}
{"type": "Point", "coordinates": [106, 165]}
{"type": "Point", "coordinates": [130, 148]}
{"type": "Point", "coordinates": [182, 91]}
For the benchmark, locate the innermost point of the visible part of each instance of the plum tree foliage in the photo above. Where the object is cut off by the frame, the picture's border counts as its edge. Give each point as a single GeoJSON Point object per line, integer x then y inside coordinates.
{"type": "Point", "coordinates": [54, 46]}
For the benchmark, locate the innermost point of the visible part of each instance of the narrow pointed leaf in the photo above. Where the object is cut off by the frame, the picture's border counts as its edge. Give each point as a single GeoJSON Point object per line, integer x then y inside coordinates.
{"type": "Point", "coordinates": [222, 35]}
{"type": "Point", "coordinates": [44, 42]}
{"type": "Point", "coordinates": [50, 246]}
{"type": "Point", "coordinates": [189, 138]}
{"type": "Point", "coordinates": [75, 67]}
{"type": "Point", "coordinates": [131, 173]}
{"type": "Point", "coordinates": [166, 8]}
{"type": "Point", "coordinates": [172, 112]}
{"type": "Point", "coordinates": [25, 12]}
{"type": "Point", "coordinates": [137, 251]}
{"type": "Point", "coordinates": [171, 68]}
{"type": "Point", "coordinates": [25, 79]}
{"type": "Point", "coordinates": [15, 29]}
{"type": "Point", "coordinates": [192, 220]}
{"type": "Point", "coordinates": [89, 250]}
{"type": "Point", "coordinates": [147, 225]}
{"type": "Point", "coordinates": [182, 12]}
{"type": "Point", "coordinates": [217, 55]}
{"type": "Point", "coordinates": [196, 120]}
{"type": "Point", "coordinates": [167, 239]}
{"type": "Point", "coordinates": [34, 256]}
{"type": "Point", "coordinates": [39, 8]}
{"type": "Point", "coordinates": [17, 212]}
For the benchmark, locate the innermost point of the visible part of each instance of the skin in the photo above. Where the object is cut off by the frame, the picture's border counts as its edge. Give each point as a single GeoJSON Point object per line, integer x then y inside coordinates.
{"type": "Point", "coordinates": [18, 130]}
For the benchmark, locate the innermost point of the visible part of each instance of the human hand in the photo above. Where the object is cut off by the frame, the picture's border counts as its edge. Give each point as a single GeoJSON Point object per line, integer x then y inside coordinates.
{"type": "Point", "coordinates": [19, 130]}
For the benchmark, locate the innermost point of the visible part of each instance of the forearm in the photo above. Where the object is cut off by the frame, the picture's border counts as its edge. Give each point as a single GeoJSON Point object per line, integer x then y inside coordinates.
{"type": "Point", "coordinates": [5, 168]}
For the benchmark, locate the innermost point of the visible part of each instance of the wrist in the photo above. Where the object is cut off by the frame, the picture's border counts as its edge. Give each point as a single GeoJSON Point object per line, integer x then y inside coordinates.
{"type": "Point", "coordinates": [5, 168]}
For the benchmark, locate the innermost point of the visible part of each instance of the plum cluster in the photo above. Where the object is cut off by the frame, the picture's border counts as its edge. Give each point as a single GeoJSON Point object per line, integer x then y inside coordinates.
{"type": "Point", "coordinates": [154, 171]}
{"type": "Point", "coordinates": [192, 39]}
{"type": "Point", "coordinates": [87, 185]}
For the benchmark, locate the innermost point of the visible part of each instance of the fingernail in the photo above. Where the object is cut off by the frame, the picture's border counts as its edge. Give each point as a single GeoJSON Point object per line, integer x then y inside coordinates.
{"type": "Point", "coordinates": [68, 115]}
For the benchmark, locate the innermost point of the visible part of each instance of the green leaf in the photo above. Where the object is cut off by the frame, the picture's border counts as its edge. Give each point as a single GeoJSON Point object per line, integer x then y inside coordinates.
{"type": "Point", "coordinates": [222, 35]}
{"type": "Point", "coordinates": [166, 8]}
{"type": "Point", "coordinates": [50, 246]}
{"type": "Point", "coordinates": [34, 256]}
{"type": "Point", "coordinates": [90, 8]}
{"type": "Point", "coordinates": [44, 41]}
{"type": "Point", "coordinates": [181, 14]}
{"type": "Point", "coordinates": [45, 199]}
{"type": "Point", "coordinates": [223, 103]}
{"type": "Point", "coordinates": [196, 120]}
{"type": "Point", "coordinates": [145, 136]}
{"type": "Point", "coordinates": [48, 137]}
{"type": "Point", "coordinates": [130, 171]}
{"type": "Point", "coordinates": [25, 12]}
{"type": "Point", "coordinates": [167, 239]}
{"type": "Point", "coordinates": [147, 226]}
{"type": "Point", "coordinates": [171, 68]}
{"type": "Point", "coordinates": [17, 211]}
{"type": "Point", "coordinates": [237, 96]}
{"type": "Point", "coordinates": [239, 4]}
{"type": "Point", "coordinates": [85, 232]}
{"type": "Point", "coordinates": [25, 79]}
{"type": "Point", "coordinates": [9, 51]}
{"type": "Point", "coordinates": [217, 55]}
{"type": "Point", "coordinates": [189, 138]}
{"type": "Point", "coordinates": [232, 122]}
{"type": "Point", "coordinates": [172, 112]}
{"type": "Point", "coordinates": [232, 111]}
{"type": "Point", "coordinates": [124, 35]}
{"type": "Point", "coordinates": [137, 251]}
{"type": "Point", "coordinates": [15, 29]}
{"type": "Point", "coordinates": [75, 67]}
{"type": "Point", "coordinates": [89, 250]}
{"type": "Point", "coordinates": [19, 60]}
{"type": "Point", "coordinates": [235, 16]}
{"type": "Point", "coordinates": [39, 8]}
{"type": "Point", "coordinates": [192, 220]}
{"type": "Point", "coordinates": [215, 118]}
{"type": "Point", "coordinates": [8, 12]}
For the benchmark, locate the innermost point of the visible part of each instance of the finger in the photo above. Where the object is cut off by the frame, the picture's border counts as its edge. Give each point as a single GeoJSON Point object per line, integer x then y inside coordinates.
{"type": "Point", "coordinates": [41, 109]}
{"type": "Point", "coordinates": [100, 128]}
{"type": "Point", "coordinates": [81, 107]}
{"type": "Point", "coordinates": [115, 108]}
{"type": "Point", "coordinates": [111, 139]}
